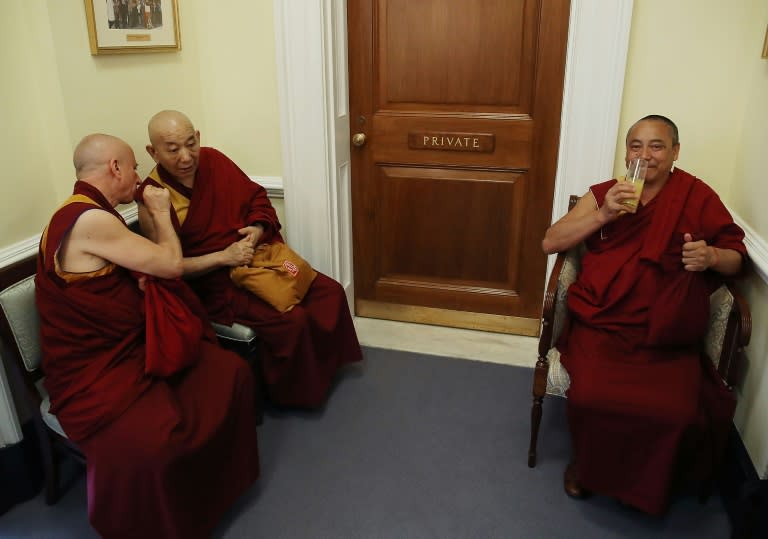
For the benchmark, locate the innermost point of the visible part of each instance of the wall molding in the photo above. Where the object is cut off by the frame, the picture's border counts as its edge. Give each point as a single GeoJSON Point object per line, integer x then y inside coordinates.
{"type": "Point", "coordinates": [310, 50]}
{"type": "Point", "coordinates": [756, 246]}
{"type": "Point", "coordinates": [18, 251]}
{"type": "Point", "coordinates": [273, 185]}
{"type": "Point", "coordinates": [593, 87]}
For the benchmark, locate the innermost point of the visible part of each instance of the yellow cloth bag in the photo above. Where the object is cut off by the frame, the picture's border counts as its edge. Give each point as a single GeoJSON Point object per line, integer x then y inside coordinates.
{"type": "Point", "coordinates": [276, 274]}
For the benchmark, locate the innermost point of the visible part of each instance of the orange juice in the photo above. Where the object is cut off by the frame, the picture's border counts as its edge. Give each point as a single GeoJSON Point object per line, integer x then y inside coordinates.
{"type": "Point", "coordinates": [636, 176]}
{"type": "Point", "coordinates": [631, 204]}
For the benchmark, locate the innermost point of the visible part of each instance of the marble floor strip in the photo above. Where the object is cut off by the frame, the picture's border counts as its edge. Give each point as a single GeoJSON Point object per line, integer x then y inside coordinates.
{"type": "Point", "coordinates": [450, 342]}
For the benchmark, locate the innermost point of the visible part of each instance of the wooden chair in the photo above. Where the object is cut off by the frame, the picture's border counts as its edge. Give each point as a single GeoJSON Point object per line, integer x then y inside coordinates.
{"type": "Point", "coordinates": [730, 328]}
{"type": "Point", "coordinates": [20, 332]}
{"type": "Point", "coordinates": [245, 342]}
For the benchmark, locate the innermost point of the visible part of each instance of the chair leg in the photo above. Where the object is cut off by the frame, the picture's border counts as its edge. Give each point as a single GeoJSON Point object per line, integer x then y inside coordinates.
{"type": "Point", "coordinates": [705, 491]}
{"type": "Point", "coordinates": [707, 486]}
{"type": "Point", "coordinates": [539, 389]}
{"type": "Point", "coordinates": [260, 390]}
{"type": "Point", "coordinates": [250, 352]}
{"type": "Point", "coordinates": [253, 357]}
{"type": "Point", "coordinates": [50, 462]}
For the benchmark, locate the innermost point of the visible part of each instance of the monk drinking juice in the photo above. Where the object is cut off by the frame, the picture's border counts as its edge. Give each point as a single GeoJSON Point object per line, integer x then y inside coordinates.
{"type": "Point", "coordinates": [636, 176]}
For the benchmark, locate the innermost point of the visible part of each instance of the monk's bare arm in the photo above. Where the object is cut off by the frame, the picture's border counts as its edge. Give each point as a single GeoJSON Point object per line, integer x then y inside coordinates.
{"type": "Point", "coordinates": [238, 253]}
{"type": "Point", "coordinates": [145, 223]}
{"type": "Point", "coordinates": [726, 261]}
{"type": "Point", "coordinates": [573, 227]}
{"type": "Point", "coordinates": [698, 256]}
{"type": "Point", "coordinates": [98, 237]}
{"type": "Point", "coordinates": [585, 218]}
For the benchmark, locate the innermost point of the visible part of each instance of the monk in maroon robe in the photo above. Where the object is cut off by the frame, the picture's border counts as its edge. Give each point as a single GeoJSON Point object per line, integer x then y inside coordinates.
{"type": "Point", "coordinates": [220, 216]}
{"type": "Point", "coordinates": [639, 309]}
{"type": "Point", "coordinates": [166, 456]}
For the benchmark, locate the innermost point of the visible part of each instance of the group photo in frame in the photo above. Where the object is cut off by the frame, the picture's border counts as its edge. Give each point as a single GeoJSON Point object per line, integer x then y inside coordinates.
{"type": "Point", "coordinates": [132, 26]}
{"type": "Point", "coordinates": [765, 45]}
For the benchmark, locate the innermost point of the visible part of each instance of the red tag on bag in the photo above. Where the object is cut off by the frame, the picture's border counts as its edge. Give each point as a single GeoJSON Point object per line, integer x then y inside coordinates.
{"type": "Point", "coordinates": [291, 268]}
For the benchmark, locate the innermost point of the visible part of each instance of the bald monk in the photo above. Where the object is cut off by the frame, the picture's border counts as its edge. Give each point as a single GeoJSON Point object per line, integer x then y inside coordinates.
{"type": "Point", "coordinates": [166, 457]}
{"type": "Point", "coordinates": [638, 314]}
{"type": "Point", "coordinates": [220, 216]}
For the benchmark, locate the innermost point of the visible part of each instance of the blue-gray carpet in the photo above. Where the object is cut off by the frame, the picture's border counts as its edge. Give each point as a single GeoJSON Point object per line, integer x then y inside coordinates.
{"type": "Point", "coordinates": [411, 446]}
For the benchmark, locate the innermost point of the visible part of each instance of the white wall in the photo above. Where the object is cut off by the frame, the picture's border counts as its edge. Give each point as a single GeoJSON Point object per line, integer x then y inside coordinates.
{"type": "Point", "coordinates": [54, 93]}
{"type": "Point", "coordinates": [698, 62]}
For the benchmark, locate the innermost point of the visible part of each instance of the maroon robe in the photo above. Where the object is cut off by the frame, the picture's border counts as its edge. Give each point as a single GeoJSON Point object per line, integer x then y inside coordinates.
{"type": "Point", "coordinates": [302, 349]}
{"type": "Point", "coordinates": [639, 390]}
{"type": "Point", "coordinates": [166, 457]}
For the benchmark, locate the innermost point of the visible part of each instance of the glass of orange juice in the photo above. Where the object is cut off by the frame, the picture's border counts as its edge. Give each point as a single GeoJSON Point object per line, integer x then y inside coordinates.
{"type": "Point", "coordinates": [636, 176]}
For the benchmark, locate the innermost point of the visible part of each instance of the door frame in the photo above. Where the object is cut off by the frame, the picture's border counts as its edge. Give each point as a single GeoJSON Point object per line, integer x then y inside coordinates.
{"type": "Point", "coordinates": [311, 56]}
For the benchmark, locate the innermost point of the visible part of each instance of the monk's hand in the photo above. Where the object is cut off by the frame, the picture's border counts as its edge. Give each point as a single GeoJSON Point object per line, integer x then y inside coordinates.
{"type": "Point", "coordinates": [157, 199]}
{"type": "Point", "coordinates": [613, 204]}
{"type": "Point", "coordinates": [238, 253]}
{"type": "Point", "coordinates": [252, 233]}
{"type": "Point", "coordinates": [697, 255]}
{"type": "Point", "coordinates": [142, 282]}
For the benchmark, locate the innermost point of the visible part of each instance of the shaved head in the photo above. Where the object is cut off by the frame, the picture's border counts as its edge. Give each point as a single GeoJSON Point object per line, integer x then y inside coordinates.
{"type": "Point", "coordinates": [167, 121]}
{"type": "Point", "coordinates": [673, 132]}
{"type": "Point", "coordinates": [109, 164]}
{"type": "Point", "coordinates": [174, 145]}
{"type": "Point", "coordinates": [94, 152]}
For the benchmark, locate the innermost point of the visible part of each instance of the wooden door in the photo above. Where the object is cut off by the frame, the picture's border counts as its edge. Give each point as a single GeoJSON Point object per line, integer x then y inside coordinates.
{"type": "Point", "coordinates": [455, 119]}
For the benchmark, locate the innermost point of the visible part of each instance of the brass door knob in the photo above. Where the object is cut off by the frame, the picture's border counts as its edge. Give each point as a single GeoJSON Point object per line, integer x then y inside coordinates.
{"type": "Point", "coordinates": [358, 139]}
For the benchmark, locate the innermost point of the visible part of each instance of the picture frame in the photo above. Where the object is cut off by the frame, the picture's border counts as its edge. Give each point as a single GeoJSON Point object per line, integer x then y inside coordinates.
{"type": "Point", "coordinates": [765, 44]}
{"type": "Point", "coordinates": [132, 26]}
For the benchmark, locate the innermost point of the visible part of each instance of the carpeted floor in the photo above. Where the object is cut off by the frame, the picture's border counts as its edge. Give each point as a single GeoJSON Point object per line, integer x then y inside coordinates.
{"type": "Point", "coordinates": [411, 446]}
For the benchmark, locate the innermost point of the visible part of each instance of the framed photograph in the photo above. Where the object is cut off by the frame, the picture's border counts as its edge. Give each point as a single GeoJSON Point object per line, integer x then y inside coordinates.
{"type": "Point", "coordinates": [765, 44]}
{"type": "Point", "coordinates": [131, 26]}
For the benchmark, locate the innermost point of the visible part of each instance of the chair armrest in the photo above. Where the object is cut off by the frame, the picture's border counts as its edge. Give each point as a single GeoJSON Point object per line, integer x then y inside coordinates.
{"type": "Point", "coordinates": [743, 317]}
{"type": "Point", "coordinates": [738, 333]}
{"type": "Point", "coordinates": [555, 312]}
{"type": "Point", "coordinates": [550, 326]}
{"type": "Point", "coordinates": [235, 332]}
{"type": "Point", "coordinates": [729, 331]}
{"type": "Point", "coordinates": [548, 311]}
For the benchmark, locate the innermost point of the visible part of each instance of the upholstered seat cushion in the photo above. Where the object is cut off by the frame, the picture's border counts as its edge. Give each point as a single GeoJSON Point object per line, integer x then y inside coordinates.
{"type": "Point", "coordinates": [50, 419]}
{"type": "Point", "coordinates": [558, 380]}
{"type": "Point", "coordinates": [720, 304]}
{"type": "Point", "coordinates": [45, 410]}
{"type": "Point", "coordinates": [18, 304]}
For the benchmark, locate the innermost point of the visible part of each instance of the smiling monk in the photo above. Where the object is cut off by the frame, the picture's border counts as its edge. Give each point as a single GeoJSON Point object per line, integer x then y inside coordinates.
{"type": "Point", "coordinates": [221, 216]}
{"type": "Point", "coordinates": [639, 311]}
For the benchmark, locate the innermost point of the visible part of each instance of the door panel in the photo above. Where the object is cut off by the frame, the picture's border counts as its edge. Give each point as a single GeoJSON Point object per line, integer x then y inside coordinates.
{"type": "Point", "coordinates": [459, 102]}
{"type": "Point", "coordinates": [389, 141]}
{"type": "Point", "coordinates": [447, 53]}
